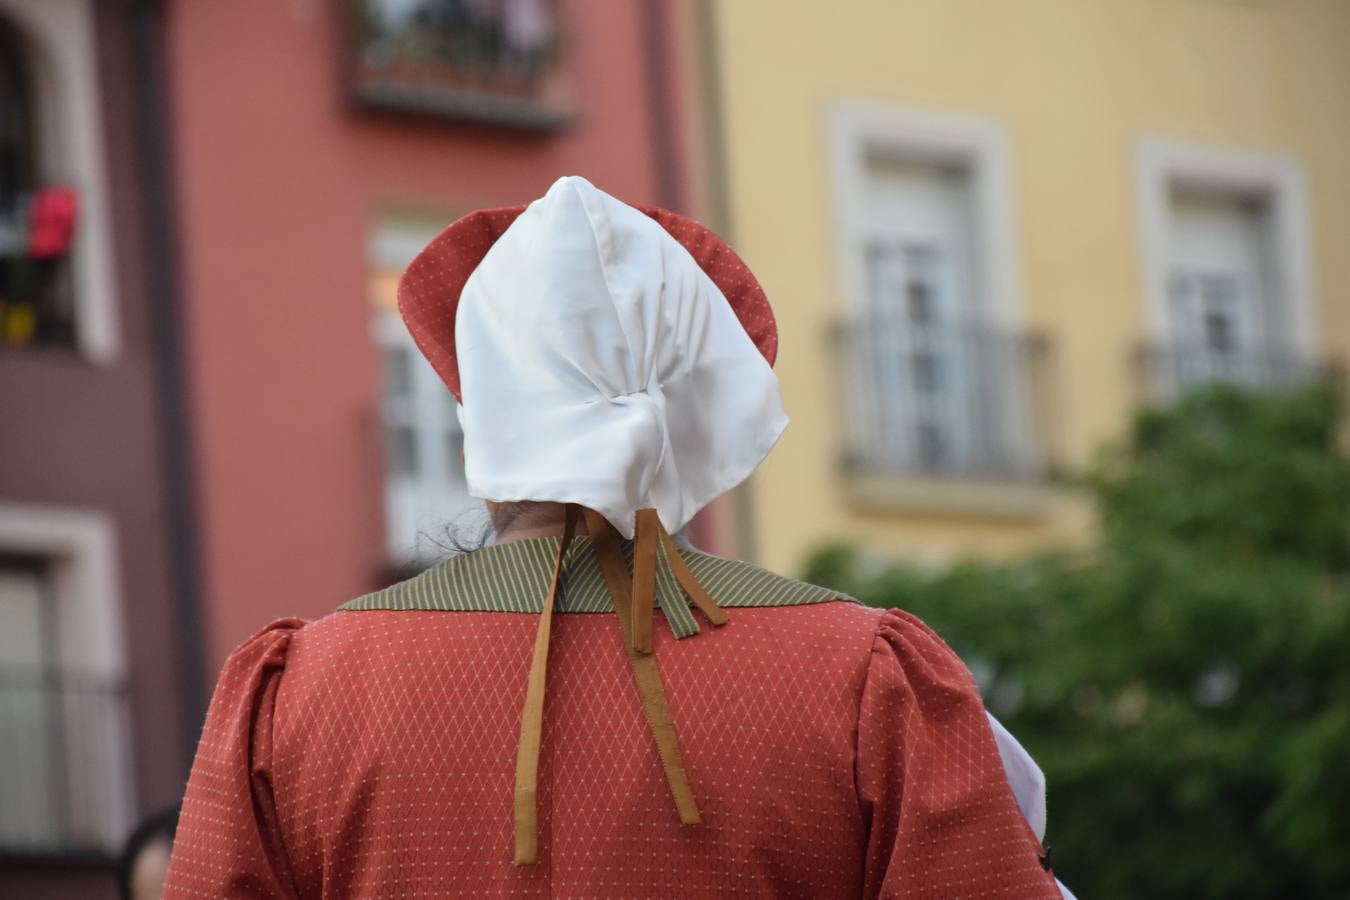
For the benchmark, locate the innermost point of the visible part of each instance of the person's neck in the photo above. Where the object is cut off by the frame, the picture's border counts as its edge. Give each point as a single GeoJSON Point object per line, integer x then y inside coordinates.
{"type": "Point", "coordinates": [512, 533]}
{"type": "Point", "coordinates": [543, 520]}
{"type": "Point", "coordinates": [547, 520]}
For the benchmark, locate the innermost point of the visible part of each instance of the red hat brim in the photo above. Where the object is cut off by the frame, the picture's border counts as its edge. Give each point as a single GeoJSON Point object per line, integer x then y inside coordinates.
{"type": "Point", "coordinates": [429, 291]}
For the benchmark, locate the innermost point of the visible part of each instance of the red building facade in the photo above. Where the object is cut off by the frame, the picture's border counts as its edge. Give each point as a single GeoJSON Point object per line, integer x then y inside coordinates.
{"type": "Point", "coordinates": [101, 676]}
{"type": "Point", "coordinates": [213, 417]}
{"type": "Point", "coordinates": [314, 151]}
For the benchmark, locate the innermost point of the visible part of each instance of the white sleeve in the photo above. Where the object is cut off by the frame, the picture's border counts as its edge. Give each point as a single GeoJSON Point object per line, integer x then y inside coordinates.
{"type": "Point", "coordinates": [1027, 781]}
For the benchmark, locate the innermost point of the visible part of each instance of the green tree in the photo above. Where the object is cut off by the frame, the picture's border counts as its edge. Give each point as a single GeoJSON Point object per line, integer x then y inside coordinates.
{"type": "Point", "coordinates": [1185, 682]}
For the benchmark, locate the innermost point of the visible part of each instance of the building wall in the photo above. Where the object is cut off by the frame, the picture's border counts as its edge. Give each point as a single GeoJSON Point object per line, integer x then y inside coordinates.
{"type": "Point", "coordinates": [281, 182]}
{"type": "Point", "coordinates": [79, 441]}
{"type": "Point", "coordinates": [1074, 86]}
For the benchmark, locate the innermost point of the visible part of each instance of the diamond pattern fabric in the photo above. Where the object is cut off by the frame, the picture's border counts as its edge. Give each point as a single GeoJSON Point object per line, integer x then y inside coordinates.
{"type": "Point", "coordinates": [514, 578]}
{"type": "Point", "coordinates": [835, 750]}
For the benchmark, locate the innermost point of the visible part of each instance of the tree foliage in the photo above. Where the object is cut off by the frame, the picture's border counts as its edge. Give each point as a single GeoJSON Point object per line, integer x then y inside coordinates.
{"type": "Point", "coordinates": [1185, 682]}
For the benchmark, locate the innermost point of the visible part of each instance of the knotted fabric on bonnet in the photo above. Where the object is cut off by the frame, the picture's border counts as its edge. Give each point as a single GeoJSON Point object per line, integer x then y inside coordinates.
{"type": "Point", "coordinates": [597, 364]}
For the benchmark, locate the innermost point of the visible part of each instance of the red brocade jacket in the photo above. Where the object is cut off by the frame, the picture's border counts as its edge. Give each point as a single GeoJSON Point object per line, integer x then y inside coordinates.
{"type": "Point", "coordinates": [834, 750]}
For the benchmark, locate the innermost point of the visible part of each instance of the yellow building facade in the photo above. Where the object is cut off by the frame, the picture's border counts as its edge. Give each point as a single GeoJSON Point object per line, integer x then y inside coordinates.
{"type": "Point", "coordinates": [991, 228]}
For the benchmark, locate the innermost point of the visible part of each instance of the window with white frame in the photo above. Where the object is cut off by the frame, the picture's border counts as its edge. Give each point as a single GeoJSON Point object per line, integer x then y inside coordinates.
{"type": "Point", "coordinates": [936, 372]}
{"type": "Point", "coordinates": [425, 492]}
{"type": "Point", "coordinates": [1219, 288]}
{"type": "Point", "coordinates": [67, 782]}
{"type": "Point", "coordinates": [919, 302]}
{"type": "Point", "coordinates": [1227, 267]}
{"type": "Point", "coordinates": [35, 299]}
{"type": "Point", "coordinates": [56, 279]}
{"type": "Point", "coordinates": [30, 788]}
{"type": "Point", "coordinates": [426, 498]}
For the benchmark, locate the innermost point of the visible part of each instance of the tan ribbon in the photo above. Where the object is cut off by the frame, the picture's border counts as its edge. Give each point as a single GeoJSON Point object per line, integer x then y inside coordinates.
{"type": "Point", "coordinates": [634, 599]}
{"type": "Point", "coordinates": [644, 578]}
{"type": "Point", "coordinates": [532, 715]}
{"type": "Point", "coordinates": [686, 578]}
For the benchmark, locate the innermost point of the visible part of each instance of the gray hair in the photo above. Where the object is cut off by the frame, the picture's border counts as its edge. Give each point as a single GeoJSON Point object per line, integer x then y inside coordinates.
{"type": "Point", "coordinates": [473, 530]}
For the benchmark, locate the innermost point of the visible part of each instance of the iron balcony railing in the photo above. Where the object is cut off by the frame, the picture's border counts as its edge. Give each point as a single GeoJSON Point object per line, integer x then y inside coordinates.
{"type": "Point", "coordinates": [498, 63]}
{"type": "Point", "coordinates": [1170, 369]}
{"type": "Point", "coordinates": [65, 762]}
{"type": "Point", "coordinates": [945, 399]}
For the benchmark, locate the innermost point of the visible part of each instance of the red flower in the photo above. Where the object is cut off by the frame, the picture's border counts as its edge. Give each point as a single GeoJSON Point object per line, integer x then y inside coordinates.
{"type": "Point", "coordinates": [51, 222]}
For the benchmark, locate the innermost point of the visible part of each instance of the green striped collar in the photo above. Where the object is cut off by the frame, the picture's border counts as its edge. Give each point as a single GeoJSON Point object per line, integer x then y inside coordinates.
{"type": "Point", "coordinates": [514, 578]}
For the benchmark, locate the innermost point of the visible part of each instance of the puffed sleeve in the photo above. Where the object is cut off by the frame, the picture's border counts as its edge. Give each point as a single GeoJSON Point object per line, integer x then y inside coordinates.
{"type": "Point", "coordinates": [228, 843]}
{"type": "Point", "coordinates": [942, 820]}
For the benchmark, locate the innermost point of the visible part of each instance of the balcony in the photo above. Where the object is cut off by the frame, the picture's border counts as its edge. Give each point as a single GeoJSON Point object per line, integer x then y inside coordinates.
{"type": "Point", "coordinates": [65, 786]}
{"type": "Point", "coordinates": [1169, 370]}
{"type": "Point", "coordinates": [949, 417]}
{"type": "Point", "coordinates": [496, 64]}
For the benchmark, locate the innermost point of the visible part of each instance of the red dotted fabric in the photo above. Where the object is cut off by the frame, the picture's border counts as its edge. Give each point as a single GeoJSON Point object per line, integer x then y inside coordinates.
{"type": "Point", "coordinates": [835, 751]}
{"type": "Point", "coordinates": [428, 292]}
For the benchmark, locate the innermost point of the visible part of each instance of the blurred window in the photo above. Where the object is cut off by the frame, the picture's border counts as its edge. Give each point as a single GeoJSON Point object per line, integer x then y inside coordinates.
{"type": "Point", "coordinates": [937, 379]}
{"type": "Point", "coordinates": [18, 163]}
{"type": "Point", "coordinates": [425, 490]}
{"type": "Point", "coordinates": [1221, 288]}
{"type": "Point", "coordinates": [36, 220]}
{"type": "Point", "coordinates": [423, 446]}
{"type": "Point", "coordinates": [1227, 267]}
{"type": "Point", "coordinates": [29, 792]}
{"type": "Point", "coordinates": [478, 59]}
{"type": "Point", "coordinates": [916, 315]}
{"type": "Point", "coordinates": [63, 785]}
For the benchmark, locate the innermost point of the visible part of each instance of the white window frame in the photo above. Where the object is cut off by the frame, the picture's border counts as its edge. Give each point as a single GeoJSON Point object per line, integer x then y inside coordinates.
{"type": "Point", "coordinates": [60, 34]}
{"type": "Point", "coordinates": [979, 147]}
{"type": "Point", "coordinates": [80, 546]}
{"type": "Point", "coordinates": [393, 241]}
{"type": "Point", "coordinates": [430, 425]}
{"type": "Point", "coordinates": [1163, 165]}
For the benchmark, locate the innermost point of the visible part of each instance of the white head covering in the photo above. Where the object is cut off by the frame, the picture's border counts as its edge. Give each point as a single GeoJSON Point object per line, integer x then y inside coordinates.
{"type": "Point", "coordinates": [599, 365]}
